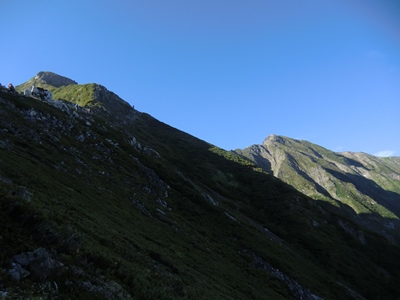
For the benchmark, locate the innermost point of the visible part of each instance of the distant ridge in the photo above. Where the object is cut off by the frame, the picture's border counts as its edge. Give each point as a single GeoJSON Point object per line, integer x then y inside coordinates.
{"type": "Point", "coordinates": [368, 185]}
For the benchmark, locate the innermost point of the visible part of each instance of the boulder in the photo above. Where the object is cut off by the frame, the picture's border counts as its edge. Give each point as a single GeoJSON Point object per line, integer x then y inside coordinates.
{"type": "Point", "coordinates": [38, 262]}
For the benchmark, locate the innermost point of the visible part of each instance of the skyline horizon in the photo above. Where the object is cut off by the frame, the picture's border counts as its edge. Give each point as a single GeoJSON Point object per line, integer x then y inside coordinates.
{"type": "Point", "coordinates": [384, 153]}
{"type": "Point", "coordinates": [228, 72]}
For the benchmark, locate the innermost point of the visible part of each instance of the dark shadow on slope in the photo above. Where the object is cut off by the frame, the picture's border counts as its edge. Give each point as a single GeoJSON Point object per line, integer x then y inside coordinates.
{"type": "Point", "coordinates": [389, 200]}
{"type": "Point", "coordinates": [319, 188]}
{"type": "Point", "coordinates": [352, 162]}
{"type": "Point", "coordinates": [313, 155]}
{"type": "Point", "coordinates": [271, 202]}
{"type": "Point", "coordinates": [372, 221]}
{"type": "Point", "coordinates": [262, 162]}
{"type": "Point", "coordinates": [257, 157]}
{"type": "Point", "coordinates": [274, 205]}
{"type": "Point", "coordinates": [265, 164]}
{"type": "Point", "coordinates": [382, 251]}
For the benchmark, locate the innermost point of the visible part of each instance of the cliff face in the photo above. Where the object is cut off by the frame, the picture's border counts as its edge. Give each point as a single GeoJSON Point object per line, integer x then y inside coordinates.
{"type": "Point", "coordinates": [369, 185]}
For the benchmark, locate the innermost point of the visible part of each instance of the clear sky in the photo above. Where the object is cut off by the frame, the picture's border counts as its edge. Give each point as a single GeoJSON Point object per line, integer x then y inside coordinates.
{"type": "Point", "coordinates": [230, 72]}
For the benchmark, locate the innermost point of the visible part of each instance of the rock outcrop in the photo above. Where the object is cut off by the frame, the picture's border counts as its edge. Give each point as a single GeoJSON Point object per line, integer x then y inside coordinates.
{"type": "Point", "coordinates": [38, 264]}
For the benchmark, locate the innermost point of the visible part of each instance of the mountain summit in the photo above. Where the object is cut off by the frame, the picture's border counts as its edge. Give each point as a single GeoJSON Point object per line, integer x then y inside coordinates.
{"type": "Point", "coordinates": [90, 96]}
{"type": "Point", "coordinates": [52, 79]}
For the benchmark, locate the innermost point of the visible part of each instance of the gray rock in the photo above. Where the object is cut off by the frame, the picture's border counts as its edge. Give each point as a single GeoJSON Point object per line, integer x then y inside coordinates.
{"type": "Point", "coordinates": [32, 113]}
{"type": "Point", "coordinates": [210, 199]}
{"type": "Point", "coordinates": [17, 272]}
{"type": "Point", "coordinates": [24, 194]}
{"type": "Point", "coordinates": [162, 203]}
{"type": "Point", "coordinates": [38, 262]}
{"type": "Point", "coordinates": [297, 290]}
{"type": "Point", "coordinates": [6, 180]}
{"type": "Point", "coordinates": [53, 79]}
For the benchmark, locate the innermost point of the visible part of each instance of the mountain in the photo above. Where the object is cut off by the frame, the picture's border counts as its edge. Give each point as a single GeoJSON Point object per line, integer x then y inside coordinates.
{"type": "Point", "coordinates": [113, 204]}
{"type": "Point", "coordinates": [93, 96]}
{"type": "Point", "coordinates": [365, 188]}
{"type": "Point", "coordinates": [50, 79]}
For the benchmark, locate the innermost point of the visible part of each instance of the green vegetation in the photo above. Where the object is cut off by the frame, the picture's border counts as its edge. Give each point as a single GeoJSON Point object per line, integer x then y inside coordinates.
{"type": "Point", "coordinates": [81, 94]}
{"type": "Point", "coordinates": [190, 222]}
{"type": "Point", "coordinates": [368, 186]}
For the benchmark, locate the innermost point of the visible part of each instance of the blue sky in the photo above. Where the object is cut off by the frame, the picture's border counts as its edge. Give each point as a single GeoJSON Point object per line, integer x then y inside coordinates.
{"type": "Point", "coordinates": [230, 72]}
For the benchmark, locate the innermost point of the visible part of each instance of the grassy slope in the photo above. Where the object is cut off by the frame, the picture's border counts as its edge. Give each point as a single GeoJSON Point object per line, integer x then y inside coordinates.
{"type": "Point", "coordinates": [76, 93]}
{"type": "Point", "coordinates": [85, 206]}
{"type": "Point", "coordinates": [276, 210]}
{"type": "Point", "coordinates": [368, 185]}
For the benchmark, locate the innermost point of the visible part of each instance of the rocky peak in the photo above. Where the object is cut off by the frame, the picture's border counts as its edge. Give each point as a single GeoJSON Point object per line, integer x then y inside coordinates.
{"type": "Point", "coordinates": [273, 138]}
{"type": "Point", "coordinates": [53, 79]}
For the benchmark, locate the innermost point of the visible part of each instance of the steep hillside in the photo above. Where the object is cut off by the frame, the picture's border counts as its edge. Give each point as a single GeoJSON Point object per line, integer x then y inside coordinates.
{"type": "Point", "coordinates": [119, 205]}
{"type": "Point", "coordinates": [369, 186]}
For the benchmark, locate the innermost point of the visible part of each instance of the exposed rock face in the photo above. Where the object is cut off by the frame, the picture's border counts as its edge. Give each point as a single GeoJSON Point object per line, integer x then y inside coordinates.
{"type": "Point", "coordinates": [53, 79]}
{"type": "Point", "coordinates": [363, 184]}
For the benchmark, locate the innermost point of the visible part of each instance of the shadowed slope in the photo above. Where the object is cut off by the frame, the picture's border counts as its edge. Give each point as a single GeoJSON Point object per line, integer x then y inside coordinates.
{"type": "Point", "coordinates": [133, 208]}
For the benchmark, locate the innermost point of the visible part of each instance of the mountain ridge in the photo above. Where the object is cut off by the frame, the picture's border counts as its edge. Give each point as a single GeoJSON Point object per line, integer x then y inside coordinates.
{"type": "Point", "coordinates": [369, 184]}
{"type": "Point", "coordinates": [122, 206]}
